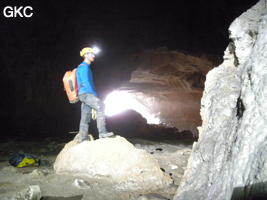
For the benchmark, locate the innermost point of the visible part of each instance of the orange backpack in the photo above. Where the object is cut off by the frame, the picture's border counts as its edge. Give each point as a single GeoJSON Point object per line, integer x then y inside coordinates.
{"type": "Point", "coordinates": [71, 86]}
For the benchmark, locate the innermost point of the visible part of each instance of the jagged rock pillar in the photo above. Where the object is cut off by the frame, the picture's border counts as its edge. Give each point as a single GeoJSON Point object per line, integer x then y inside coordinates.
{"type": "Point", "coordinates": [230, 159]}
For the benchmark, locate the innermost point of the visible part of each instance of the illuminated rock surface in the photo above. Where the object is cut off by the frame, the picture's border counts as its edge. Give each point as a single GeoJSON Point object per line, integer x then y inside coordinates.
{"type": "Point", "coordinates": [166, 88]}
{"type": "Point", "coordinates": [115, 160]}
{"type": "Point", "coordinates": [230, 158]}
{"type": "Point", "coordinates": [171, 156]}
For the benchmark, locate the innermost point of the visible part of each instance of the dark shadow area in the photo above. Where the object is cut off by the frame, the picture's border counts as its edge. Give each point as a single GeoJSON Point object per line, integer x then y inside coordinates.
{"type": "Point", "coordinates": [36, 52]}
{"type": "Point", "coordinates": [128, 124]}
{"type": "Point", "coordinates": [256, 191]}
{"type": "Point", "coordinates": [131, 124]}
{"type": "Point", "coordinates": [78, 197]}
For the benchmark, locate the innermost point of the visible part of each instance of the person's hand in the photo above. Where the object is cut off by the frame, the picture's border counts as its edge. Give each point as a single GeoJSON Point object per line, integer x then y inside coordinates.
{"type": "Point", "coordinates": [93, 114]}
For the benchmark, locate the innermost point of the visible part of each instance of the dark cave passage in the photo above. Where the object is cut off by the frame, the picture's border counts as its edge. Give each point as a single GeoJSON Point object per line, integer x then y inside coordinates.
{"type": "Point", "coordinates": [180, 133]}
{"type": "Point", "coordinates": [131, 124]}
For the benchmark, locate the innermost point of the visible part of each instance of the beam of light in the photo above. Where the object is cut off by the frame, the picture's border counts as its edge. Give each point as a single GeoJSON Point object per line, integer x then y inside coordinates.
{"type": "Point", "coordinates": [96, 50]}
{"type": "Point", "coordinates": [118, 101]}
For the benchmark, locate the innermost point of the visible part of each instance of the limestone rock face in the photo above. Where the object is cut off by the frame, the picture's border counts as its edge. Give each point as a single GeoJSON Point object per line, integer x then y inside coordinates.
{"type": "Point", "coordinates": [115, 160]}
{"type": "Point", "coordinates": [169, 84]}
{"type": "Point", "coordinates": [230, 159]}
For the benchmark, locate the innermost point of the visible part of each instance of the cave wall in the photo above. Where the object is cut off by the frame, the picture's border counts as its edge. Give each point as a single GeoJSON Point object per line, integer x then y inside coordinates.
{"type": "Point", "coordinates": [170, 85]}
{"type": "Point", "coordinates": [35, 52]}
{"type": "Point", "coordinates": [230, 159]}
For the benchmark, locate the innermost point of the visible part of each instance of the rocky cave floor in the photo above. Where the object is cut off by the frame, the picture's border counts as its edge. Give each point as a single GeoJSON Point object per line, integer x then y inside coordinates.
{"type": "Point", "coordinates": [172, 156]}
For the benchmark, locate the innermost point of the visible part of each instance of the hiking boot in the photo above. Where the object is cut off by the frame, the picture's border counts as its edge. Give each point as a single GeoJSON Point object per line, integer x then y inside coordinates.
{"type": "Point", "coordinates": [104, 135]}
{"type": "Point", "coordinates": [80, 138]}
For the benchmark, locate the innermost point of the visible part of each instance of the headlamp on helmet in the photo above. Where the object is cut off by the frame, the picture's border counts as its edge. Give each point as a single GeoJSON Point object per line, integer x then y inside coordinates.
{"type": "Point", "coordinates": [94, 51]}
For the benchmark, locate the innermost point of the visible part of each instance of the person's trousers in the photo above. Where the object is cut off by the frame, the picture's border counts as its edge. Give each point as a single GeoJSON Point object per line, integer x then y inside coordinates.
{"type": "Point", "coordinates": [90, 101]}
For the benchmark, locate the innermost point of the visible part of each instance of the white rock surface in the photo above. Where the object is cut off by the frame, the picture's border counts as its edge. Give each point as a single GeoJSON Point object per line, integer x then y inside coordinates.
{"type": "Point", "coordinates": [230, 159]}
{"type": "Point", "coordinates": [113, 159]}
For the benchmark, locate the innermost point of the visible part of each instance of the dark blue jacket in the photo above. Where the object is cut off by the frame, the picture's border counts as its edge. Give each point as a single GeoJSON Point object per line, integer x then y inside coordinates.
{"type": "Point", "coordinates": [85, 79]}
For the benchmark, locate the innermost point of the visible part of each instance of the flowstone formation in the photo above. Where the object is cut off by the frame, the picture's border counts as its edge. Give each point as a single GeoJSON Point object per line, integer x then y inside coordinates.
{"type": "Point", "coordinates": [230, 159]}
{"type": "Point", "coordinates": [115, 160]}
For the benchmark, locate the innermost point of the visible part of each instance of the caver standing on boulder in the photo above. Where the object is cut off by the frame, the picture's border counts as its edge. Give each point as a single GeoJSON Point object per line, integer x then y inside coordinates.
{"type": "Point", "coordinates": [88, 97]}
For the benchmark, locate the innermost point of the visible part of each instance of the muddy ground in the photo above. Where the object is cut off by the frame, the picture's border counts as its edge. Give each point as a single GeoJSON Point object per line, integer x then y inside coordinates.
{"type": "Point", "coordinates": [171, 155]}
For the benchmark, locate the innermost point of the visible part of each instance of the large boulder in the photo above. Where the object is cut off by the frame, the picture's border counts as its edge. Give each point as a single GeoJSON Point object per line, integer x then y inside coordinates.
{"type": "Point", "coordinates": [230, 159]}
{"type": "Point", "coordinates": [115, 160]}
